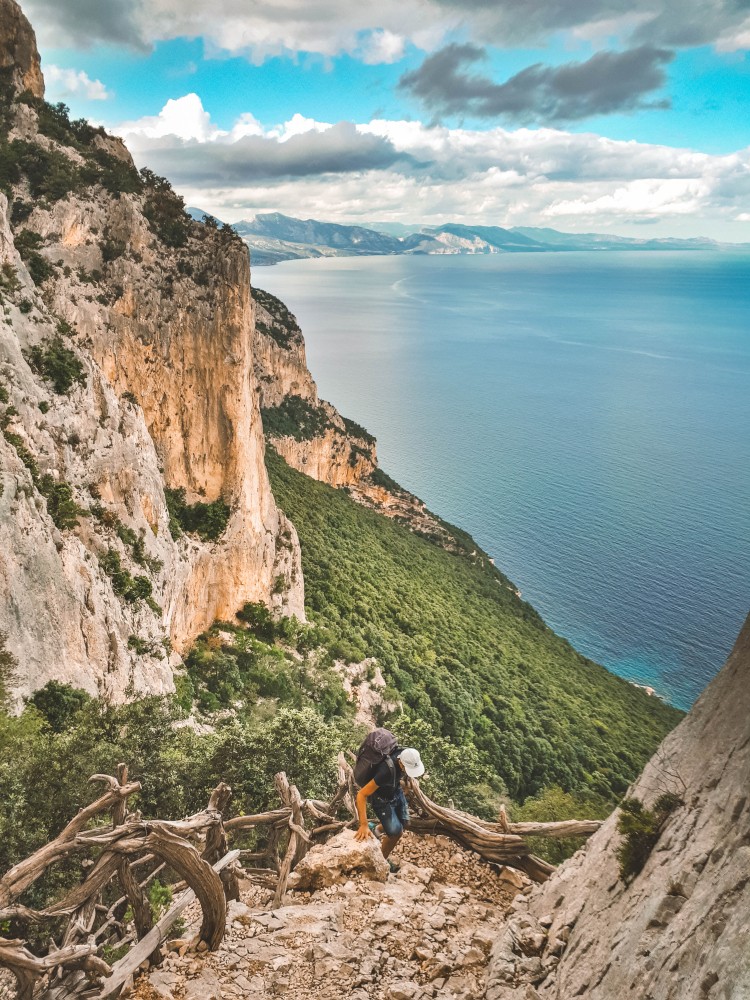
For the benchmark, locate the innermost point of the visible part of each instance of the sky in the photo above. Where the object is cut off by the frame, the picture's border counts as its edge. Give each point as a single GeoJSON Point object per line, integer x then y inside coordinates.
{"type": "Point", "coordinates": [621, 116]}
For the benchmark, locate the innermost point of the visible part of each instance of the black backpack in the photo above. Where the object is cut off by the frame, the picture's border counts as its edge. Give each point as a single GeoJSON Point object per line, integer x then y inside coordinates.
{"type": "Point", "coordinates": [377, 747]}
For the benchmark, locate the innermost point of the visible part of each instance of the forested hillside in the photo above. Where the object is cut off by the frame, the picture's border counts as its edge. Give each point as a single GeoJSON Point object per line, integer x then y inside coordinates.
{"type": "Point", "coordinates": [463, 652]}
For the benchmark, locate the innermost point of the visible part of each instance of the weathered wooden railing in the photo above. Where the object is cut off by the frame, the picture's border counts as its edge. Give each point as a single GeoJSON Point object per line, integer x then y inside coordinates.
{"type": "Point", "coordinates": [130, 852]}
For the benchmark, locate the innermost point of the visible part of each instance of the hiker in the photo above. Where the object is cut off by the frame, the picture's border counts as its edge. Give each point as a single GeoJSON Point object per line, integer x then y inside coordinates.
{"type": "Point", "coordinates": [381, 766]}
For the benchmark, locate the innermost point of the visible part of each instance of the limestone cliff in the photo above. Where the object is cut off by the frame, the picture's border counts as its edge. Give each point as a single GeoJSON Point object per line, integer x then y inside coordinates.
{"type": "Point", "coordinates": [19, 56]}
{"type": "Point", "coordinates": [679, 929]}
{"type": "Point", "coordinates": [313, 437]}
{"type": "Point", "coordinates": [105, 276]}
{"type": "Point", "coordinates": [310, 434]}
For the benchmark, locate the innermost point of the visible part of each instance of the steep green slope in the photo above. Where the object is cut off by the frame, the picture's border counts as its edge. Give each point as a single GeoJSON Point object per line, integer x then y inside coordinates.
{"type": "Point", "coordinates": [463, 651]}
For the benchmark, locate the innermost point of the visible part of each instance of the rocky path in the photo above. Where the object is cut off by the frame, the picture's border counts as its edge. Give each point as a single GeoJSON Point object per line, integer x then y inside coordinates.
{"type": "Point", "coordinates": [422, 933]}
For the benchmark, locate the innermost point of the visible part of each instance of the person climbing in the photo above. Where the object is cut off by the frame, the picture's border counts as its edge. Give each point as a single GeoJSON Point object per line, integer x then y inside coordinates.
{"type": "Point", "coordinates": [381, 767]}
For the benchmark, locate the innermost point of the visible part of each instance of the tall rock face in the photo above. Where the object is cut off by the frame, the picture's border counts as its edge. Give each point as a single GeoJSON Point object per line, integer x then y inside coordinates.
{"type": "Point", "coordinates": [314, 438]}
{"type": "Point", "coordinates": [127, 367]}
{"type": "Point", "coordinates": [310, 434]}
{"type": "Point", "coordinates": [19, 56]}
{"type": "Point", "coordinates": [679, 930]}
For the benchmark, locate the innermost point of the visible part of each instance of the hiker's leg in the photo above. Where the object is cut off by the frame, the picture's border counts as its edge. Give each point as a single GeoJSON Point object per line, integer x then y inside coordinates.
{"type": "Point", "coordinates": [399, 822]}
{"type": "Point", "coordinates": [388, 843]}
{"type": "Point", "coordinates": [388, 814]}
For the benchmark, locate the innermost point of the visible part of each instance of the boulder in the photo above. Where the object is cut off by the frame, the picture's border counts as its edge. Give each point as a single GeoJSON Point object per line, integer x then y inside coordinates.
{"type": "Point", "coordinates": [335, 862]}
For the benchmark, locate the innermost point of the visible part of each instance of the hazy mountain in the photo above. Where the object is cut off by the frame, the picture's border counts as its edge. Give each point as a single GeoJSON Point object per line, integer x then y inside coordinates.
{"type": "Point", "coordinates": [273, 237]}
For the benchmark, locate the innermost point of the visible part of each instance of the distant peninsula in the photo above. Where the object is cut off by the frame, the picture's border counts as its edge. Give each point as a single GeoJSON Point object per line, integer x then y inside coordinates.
{"type": "Point", "coordinates": [273, 237]}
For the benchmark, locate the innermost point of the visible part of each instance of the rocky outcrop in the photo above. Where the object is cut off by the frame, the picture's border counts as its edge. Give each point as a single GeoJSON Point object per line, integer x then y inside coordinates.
{"type": "Point", "coordinates": [309, 434]}
{"type": "Point", "coordinates": [337, 861]}
{"type": "Point", "coordinates": [157, 311]}
{"type": "Point", "coordinates": [678, 930]}
{"type": "Point", "coordinates": [19, 56]}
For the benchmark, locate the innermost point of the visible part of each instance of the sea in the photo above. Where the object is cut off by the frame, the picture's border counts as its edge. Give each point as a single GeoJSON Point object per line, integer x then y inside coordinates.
{"type": "Point", "coordinates": [584, 415]}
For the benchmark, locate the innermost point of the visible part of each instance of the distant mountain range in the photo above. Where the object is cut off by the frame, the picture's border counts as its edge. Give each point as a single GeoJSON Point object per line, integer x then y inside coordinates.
{"type": "Point", "coordinates": [273, 237]}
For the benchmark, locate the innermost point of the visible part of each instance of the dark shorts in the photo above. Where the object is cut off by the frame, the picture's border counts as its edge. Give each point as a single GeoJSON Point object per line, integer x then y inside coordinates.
{"type": "Point", "coordinates": [394, 814]}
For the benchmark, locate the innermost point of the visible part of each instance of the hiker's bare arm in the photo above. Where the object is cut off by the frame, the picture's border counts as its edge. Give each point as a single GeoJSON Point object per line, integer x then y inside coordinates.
{"type": "Point", "coordinates": [363, 795]}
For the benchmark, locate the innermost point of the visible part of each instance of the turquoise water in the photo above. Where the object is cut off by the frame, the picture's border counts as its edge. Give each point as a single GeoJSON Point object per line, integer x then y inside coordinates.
{"type": "Point", "coordinates": [585, 416]}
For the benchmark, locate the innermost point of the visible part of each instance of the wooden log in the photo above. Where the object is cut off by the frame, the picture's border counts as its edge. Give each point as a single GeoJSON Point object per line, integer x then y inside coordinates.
{"type": "Point", "coordinates": [199, 875]}
{"type": "Point", "coordinates": [29, 968]}
{"type": "Point", "coordinates": [273, 817]}
{"type": "Point", "coordinates": [298, 838]}
{"type": "Point", "coordinates": [563, 828]}
{"type": "Point", "coordinates": [134, 894]}
{"type": "Point", "coordinates": [216, 839]}
{"type": "Point", "coordinates": [21, 876]}
{"type": "Point", "coordinates": [128, 965]}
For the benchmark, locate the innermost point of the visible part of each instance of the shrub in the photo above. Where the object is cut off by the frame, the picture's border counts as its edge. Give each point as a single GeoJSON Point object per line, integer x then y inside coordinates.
{"type": "Point", "coordinates": [27, 244]}
{"type": "Point", "coordinates": [57, 364]}
{"type": "Point", "coordinates": [641, 829]}
{"type": "Point", "coordinates": [131, 588]}
{"type": "Point", "coordinates": [553, 805]}
{"type": "Point", "coordinates": [295, 417]}
{"type": "Point", "coordinates": [285, 330]}
{"type": "Point", "coordinates": [8, 668]}
{"type": "Point", "coordinates": [207, 520]}
{"type": "Point", "coordinates": [356, 430]}
{"type": "Point", "coordinates": [165, 210]}
{"type": "Point", "coordinates": [58, 704]}
{"type": "Point", "coordinates": [61, 506]}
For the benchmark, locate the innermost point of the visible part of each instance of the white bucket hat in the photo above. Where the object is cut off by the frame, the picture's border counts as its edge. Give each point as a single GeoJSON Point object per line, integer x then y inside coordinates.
{"type": "Point", "coordinates": [412, 762]}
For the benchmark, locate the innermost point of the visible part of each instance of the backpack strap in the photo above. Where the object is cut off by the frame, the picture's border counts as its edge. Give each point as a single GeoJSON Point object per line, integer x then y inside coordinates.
{"type": "Point", "coordinates": [392, 769]}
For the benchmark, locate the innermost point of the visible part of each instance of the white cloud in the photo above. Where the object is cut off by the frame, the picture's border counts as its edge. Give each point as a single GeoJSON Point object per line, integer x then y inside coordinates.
{"type": "Point", "coordinates": [407, 171]}
{"type": "Point", "coordinates": [383, 46]}
{"type": "Point", "coordinates": [65, 83]}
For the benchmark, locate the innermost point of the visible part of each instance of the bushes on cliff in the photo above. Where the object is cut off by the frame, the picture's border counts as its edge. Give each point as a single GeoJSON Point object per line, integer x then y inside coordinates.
{"type": "Point", "coordinates": [165, 210]}
{"type": "Point", "coordinates": [294, 417]}
{"type": "Point", "coordinates": [130, 588]}
{"type": "Point", "coordinates": [207, 520]}
{"type": "Point", "coordinates": [285, 329]}
{"type": "Point", "coordinates": [640, 829]}
{"type": "Point", "coordinates": [57, 364]}
{"type": "Point", "coordinates": [464, 653]}
{"type": "Point", "coordinates": [231, 667]}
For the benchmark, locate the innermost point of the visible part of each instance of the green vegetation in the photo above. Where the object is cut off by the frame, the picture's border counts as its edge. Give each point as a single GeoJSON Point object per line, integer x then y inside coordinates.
{"type": "Point", "coordinates": [57, 364]}
{"type": "Point", "coordinates": [285, 330]}
{"type": "Point", "coordinates": [8, 668]}
{"type": "Point", "coordinates": [61, 505]}
{"type": "Point", "coordinates": [57, 703]}
{"type": "Point", "coordinates": [294, 417]}
{"type": "Point", "coordinates": [207, 520]}
{"type": "Point", "coordinates": [641, 829]}
{"type": "Point", "coordinates": [28, 244]}
{"type": "Point", "coordinates": [553, 805]}
{"type": "Point", "coordinates": [165, 210]}
{"type": "Point", "coordinates": [232, 666]}
{"type": "Point", "coordinates": [465, 655]}
{"type": "Point", "coordinates": [130, 588]}
{"type": "Point", "coordinates": [358, 431]}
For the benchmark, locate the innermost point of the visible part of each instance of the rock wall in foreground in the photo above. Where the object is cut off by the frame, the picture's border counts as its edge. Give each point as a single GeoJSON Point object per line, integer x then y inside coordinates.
{"type": "Point", "coordinates": [680, 929]}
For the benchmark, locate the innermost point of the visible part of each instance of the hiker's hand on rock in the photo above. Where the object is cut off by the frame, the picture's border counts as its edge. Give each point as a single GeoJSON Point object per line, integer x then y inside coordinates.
{"type": "Point", "coordinates": [363, 833]}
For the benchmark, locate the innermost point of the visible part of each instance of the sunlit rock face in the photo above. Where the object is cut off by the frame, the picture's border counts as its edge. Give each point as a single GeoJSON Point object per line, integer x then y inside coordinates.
{"type": "Point", "coordinates": [165, 337]}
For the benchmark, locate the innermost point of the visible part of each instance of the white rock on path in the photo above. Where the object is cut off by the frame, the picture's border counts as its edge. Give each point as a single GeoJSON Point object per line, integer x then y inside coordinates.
{"type": "Point", "coordinates": [335, 862]}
